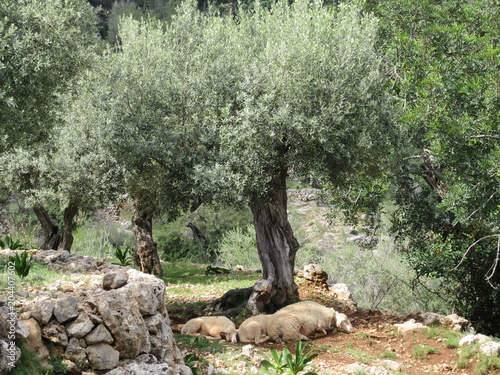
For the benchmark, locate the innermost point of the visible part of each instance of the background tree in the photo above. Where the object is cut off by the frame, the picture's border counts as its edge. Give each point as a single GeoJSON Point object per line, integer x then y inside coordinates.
{"type": "Point", "coordinates": [43, 47]}
{"type": "Point", "coordinates": [149, 92]}
{"type": "Point", "coordinates": [443, 58]}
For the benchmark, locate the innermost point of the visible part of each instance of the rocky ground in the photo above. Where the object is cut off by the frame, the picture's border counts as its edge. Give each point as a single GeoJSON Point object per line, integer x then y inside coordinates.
{"type": "Point", "coordinates": [377, 346]}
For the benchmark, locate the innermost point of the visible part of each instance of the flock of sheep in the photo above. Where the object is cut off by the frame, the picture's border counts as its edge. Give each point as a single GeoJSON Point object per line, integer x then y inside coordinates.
{"type": "Point", "coordinates": [298, 321]}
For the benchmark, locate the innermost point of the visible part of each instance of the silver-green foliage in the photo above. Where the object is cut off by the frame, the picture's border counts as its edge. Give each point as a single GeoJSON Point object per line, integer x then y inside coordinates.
{"type": "Point", "coordinates": [238, 247]}
{"type": "Point", "coordinates": [42, 47]}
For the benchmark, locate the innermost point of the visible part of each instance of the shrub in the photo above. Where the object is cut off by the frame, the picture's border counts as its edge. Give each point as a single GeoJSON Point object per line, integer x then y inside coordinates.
{"type": "Point", "coordinates": [8, 243]}
{"type": "Point", "coordinates": [238, 247]}
{"type": "Point", "coordinates": [22, 264]}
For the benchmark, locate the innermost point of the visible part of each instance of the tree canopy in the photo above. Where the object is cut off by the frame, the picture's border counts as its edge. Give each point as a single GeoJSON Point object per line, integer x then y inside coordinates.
{"type": "Point", "coordinates": [443, 59]}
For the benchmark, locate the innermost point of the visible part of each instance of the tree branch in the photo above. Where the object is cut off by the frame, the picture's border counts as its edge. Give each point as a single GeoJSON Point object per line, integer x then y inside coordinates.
{"type": "Point", "coordinates": [486, 136]}
{"type": "Point", "coordinates": [492, 270]}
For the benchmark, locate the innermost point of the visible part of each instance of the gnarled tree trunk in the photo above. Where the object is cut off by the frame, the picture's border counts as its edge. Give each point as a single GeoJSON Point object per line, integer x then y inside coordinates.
{"type": "Point", "coordinates": [67, 236]}
{"type": "Point", "coordinates": [51, 235]}
{"type": "Point", "coordinates": [277, 247]}
{"type": "Point", "coordinates": [142, 224]}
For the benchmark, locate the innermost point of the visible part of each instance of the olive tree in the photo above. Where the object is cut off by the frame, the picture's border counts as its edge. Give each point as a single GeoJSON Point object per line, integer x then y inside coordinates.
{"type": "Point", "coordinates": [43, 47]}
{"type": "Point", "coordinates": [304, 91]}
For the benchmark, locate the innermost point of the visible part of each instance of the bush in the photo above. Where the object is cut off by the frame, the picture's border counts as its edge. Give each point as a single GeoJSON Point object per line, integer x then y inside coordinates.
{"type": "Point", "coordinates": [175, 246]}
{"type": "Point", "coordinates": [93, 238]}
{"type": "Point", "coordinates": [238, 247]}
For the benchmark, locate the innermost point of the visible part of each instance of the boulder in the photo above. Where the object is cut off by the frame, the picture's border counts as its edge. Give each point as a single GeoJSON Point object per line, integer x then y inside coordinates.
{"type": "Point", "coordinates": [490, 349]}
{"type": "Point", "coordinates": [66, 308]}
{"type": "Point", "coordinates": [455, 323]}
{"type": "Point", "coordinates": [8, 320]}
{"type": "Point", "coordinates": [124, 322]}
{"type": "Point", "coordinates": [473, 339]}
{"type": "Point", "coordinates": [102, 356]}
{"type": "Point", "coordinates": [34, 342]}
{"type": "Point", "coordinates": [151, 369]}
{"type": "Point", "coordinates": [74, 351]}
{"type": "Point", "coordinates": [316, 276]}
{"type": "Point", "coordinates": [409, 325]}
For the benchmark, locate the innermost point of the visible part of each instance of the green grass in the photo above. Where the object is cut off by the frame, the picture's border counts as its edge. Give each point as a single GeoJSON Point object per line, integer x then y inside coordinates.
{"type": "Point", "coordinates": [422, 351]}
{"type": "Point", "coordinates": [182, 274]}
{"type": "Point", "coordinates": [29, 364]}
{"type": "Point", "coordinates": [39, 275]}
{"type": "Point", "coordinates": [360, 355]}
{"type": "Point", "coordinates": [388, 354]}
{"type": "Point", "coordinates": [483, 365]}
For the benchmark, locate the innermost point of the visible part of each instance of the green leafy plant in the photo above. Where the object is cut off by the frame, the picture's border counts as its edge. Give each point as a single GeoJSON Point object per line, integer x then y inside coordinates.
{"type": "Point", "coordinates": [212, 270]}
{"type": "Point", "coordinates": [22, 264]}
{"type": "Point", "coordinates": [285, 363]}
{"type": "Point", "coordinates": [124, 256]}
{"type": "Point", "coordinates": [9, 243]}
{"type": "Point", "coordinates": [192, 361]}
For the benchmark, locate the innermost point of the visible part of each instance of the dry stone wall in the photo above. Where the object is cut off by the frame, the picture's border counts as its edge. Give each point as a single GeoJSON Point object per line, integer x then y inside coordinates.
{"type": "Point", "coordinates": [117, 320]}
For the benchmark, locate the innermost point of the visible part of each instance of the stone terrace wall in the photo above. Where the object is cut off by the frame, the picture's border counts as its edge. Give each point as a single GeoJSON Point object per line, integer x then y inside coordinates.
{"type": "Point", "coordinates": [112, 318]}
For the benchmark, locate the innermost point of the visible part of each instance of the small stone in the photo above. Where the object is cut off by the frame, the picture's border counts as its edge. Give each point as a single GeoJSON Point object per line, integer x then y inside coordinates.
{"type": "Point", "coordinates": [114, 280]}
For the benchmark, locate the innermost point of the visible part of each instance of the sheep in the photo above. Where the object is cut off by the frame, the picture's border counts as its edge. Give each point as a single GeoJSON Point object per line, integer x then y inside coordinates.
{"type": "Point", "coordinates": [254, 329]}
{"type": "Point", "coordinates": [214, 326]}
{"type": "Point", "coordinates": [303, 319]}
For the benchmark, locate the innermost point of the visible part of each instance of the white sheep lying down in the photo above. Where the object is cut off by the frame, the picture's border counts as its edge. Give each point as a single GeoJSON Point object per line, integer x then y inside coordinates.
{"type": "Point", "coordinates": [300, 320]}
{"type": "Point", "coordinates": [214, 326]}
{"type": "Point", "coordinates": [254, 329]}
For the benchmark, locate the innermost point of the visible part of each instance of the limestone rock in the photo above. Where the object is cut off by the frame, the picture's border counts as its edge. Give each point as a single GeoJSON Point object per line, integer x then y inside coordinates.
{"type": "Point", "coordinates": [473, 339]}
{"type": "Point", "coordinates": [22, 331]}
{"type": "Point", "coordinates": [102, 356]}
{"type": "Point", "coordinates": [151, 369]}
{"type": "Point", "coordinates": [490, 349]}
{"type": "Point", "coordinates": [74, 352]}
{"type": "Point", "coordinates": [10, 354]}
{"type": "Point", "coordinates": [124, 321]}
{"type": "Point", "coordinates": [34, 342]}
{"type": "Point", "coordinates": [316, 275]}
{"type": "Point", "coordinates": [114, 280]}
{"type": "Point", "coordinates": [391, 365]}
{"type": "Point", "coordinates": [99, 334]}
{"type": "Point", "coordinates": [429, 318]}
{"type": "Point", "coordinates": [80, 326]}
{"type": "Point", "coordinates": [8, 320]}
{"type": "Point", "coordinates": [455, 323]}
{"type": "Point", "coordinates": [55, 333]}
{"type": "Point", "coordinates": [66, 308]}
{"type": "Point", "coordinates": [409, 325]}
{"type": "Point", "coordinates": [42, 311]}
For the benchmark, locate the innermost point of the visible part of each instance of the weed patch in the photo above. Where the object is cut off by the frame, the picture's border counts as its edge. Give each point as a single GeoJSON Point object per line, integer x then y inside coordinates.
{"type": "Point", "coordinates": [422, 351]}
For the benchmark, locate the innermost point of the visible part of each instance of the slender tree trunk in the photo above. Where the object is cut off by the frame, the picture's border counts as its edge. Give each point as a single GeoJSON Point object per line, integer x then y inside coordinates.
{"type": "Point", "coordinates": [67, 236]}
{"type": "Point", "coordinates": [142, 223]}
{"type": "Point", "coordinates": [277, 247]}
{"type": "Point", "coordinates": [51, 235]}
